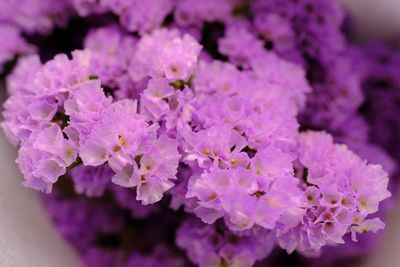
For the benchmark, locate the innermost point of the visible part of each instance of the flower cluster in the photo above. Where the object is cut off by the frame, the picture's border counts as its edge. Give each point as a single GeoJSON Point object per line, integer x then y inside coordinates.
{"type": "Point", "coordinates": [264, 194]}
{"type": "Point", "coordinates": [68, 118]}
{"type": "Point", "coordinates": [208, 132]}
{"type": "Point", "coordinates": [339, 197]}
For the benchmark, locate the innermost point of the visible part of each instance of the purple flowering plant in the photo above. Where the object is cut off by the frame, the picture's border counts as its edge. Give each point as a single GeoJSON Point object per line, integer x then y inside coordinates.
{"type": "Point", "coordinates": [227, 133]}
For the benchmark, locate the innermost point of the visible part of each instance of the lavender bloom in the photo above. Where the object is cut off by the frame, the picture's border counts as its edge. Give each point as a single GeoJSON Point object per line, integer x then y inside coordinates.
{"type": "Point", "coordinates": [175, 59]}
{"type": "Point", "coordinates": [155, 98]}
{"type": "Point", "coordinates": [30, 107]}
{"type": "Point", "coordinates": [44, 156]}
{"type": "Point", "coordinates": [246, 197]}
{"type": "Point", "coordinates": [341, 192]}
{"type": "Point", "coordinates": [18, 81]}
{"type": "Point", "coordinates": [216, 76]}
{"type": "Point", "coordinates": [85, 109]}
{"type": "Point", "coordinates": [112, 50]}
{"type": "Point", "coordinates": [218, 146]}
{"type": "Point", "coordinates": [18, 122]}
{"type": "Point", "coordinates": [130, 146]}
{"type": "Point", "coordinates": [237, 37]}
{"type": "Point", "coordinates": [61, 75]}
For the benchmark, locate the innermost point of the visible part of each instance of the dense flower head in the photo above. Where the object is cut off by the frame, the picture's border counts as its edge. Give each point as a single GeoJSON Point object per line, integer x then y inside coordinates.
{"type": "Point", "coordinates": [18, 82]}
{"type": "Point", "coordinates": [265, 194]}
{"type": "Point", "coordinates": [339, 197]}
{"type": "Point", "coordinates": [50, 86]}
{"type": "Point", "coordinates": [130, 146]}
{"type": "Point", "coordinates": [44, 157]}
{"type": "Point", "coordinates": [165, 54]}
{"type": "Point", "coordinates": [201, 132]}
{"type": "Point", "coordinates": [236, 37]}
{"type": "Point", "coordinates": [18, 121]}
{"type": "Point", "coordinates": [61, 75]}
{"type": "Point", "coordinates": [85, 109]}
{"type": "Point", "coordinates": [155, 98]}
{"type": "Point", "coordinates": [73, 105]}
{"type": "Point", "coordinates": [112, 49]}
{"type": "Point", "coordinates": [253, 112]}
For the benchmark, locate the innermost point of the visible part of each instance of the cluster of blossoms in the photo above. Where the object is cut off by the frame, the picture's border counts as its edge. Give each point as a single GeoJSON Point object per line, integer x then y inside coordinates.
{"type": "Point", "coordinates": [217, 121]}
{"type": "Point", "coordinates": [68, 118]}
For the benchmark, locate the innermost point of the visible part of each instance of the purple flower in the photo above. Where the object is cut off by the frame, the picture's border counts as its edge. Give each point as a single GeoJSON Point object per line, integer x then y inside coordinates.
{"type": "Point", "coordinates": [150, 172]}
{"type": "Point", "coordinates": [38, 93]}
{"type": "Point", "coordinates": [237, 37]}
{"type": "Point", "coordinates": [165, 54]}
{"type": "Point", "coordinates": [112, 50]}
{"type": "Point", "coordinates": [264, 194]}
{"type": "Point", "coordinates": [18, 122]}
{"type": "Point", "coordinates": [217, 146]}
{"type": "Point", "coordinates": [85, 109]}
{"type": "Point", "coordinates": [155, 98]}
{"type": "Point", "coordinates": [341, 192]}
{"type": "Point", "coordinates": [61, 75]}
{"type": "Point", "coordinates": [120, 132]}
{"type": "Point", "coordinates": [44, 157]}
{"type": "Point", "coordinates": [216, 76]}
{"type": "Point", "coordinates": [133, 151]}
